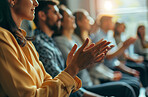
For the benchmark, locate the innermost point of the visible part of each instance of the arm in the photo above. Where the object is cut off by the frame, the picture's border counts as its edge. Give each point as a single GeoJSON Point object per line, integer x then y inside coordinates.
{"type": "Point", "coordinates": [120, 50]}
{"type": "Point", "coordinates": [128, 70]}
{"type": "Point", "coordinates": [22, 80]}
{"type": "Point", "coordinates": [138, 59]}
{"type": "Point", "coordinates": [98, 72]}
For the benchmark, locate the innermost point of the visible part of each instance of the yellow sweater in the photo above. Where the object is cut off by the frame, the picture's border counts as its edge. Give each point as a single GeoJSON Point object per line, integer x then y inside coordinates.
{"type": "Point", "coordinates": [23, 75]}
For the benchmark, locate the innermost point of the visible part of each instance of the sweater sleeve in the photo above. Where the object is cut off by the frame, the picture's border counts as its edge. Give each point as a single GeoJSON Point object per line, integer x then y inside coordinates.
{"type": "Point", "coordinates": [20, 79]}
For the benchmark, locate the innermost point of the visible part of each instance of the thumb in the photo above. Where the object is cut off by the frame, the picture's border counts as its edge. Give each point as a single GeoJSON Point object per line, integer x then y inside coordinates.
{"type": "Point", "coordinates": [72, 50]}
{"type": "Point", "coordinates": [70, 55]}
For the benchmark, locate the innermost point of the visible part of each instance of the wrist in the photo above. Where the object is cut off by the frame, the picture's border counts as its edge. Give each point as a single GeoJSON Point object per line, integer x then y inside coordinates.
{"type": "Point", "coordinates": [73, 71]}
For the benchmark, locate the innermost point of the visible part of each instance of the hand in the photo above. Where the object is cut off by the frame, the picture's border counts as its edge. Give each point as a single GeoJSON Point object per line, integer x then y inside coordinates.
{"type": "Point", "coordinates": [140, 59]}
{"type": "Point", "coordinates": [117, 75]}
{"type": "Point", "coordinates": [129, 41]}
{"type": "Point", "coordinates": [134, 72]}
{"type": "Point", "coordinates": [85, 57]}
{"type": "Point", "coordinates": [90, 94]}
{"type": "Point", "coordinates": [70, 55]}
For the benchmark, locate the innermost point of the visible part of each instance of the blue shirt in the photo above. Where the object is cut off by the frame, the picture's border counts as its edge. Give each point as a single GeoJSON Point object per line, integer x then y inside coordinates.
{"type": "Point", "coordinates": [49, 53]}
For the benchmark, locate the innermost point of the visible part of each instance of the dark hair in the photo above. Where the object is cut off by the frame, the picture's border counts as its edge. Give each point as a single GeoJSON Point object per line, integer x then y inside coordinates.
{"type": "Point", "coordinates": [138, 33]}
{"type": "Point", "coordinates": [43, 6]}
{"type": "Point", "coordinates": [7, 22]}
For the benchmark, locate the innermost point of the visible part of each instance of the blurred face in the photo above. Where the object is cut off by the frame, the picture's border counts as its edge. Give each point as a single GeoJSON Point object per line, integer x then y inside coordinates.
{"type": "Point", "coordinates": [68, 20]}
{"type": "Point", "coordinates": [24, 9]}
{"type": "Point", "coordinates": [120, 28]}
{"type": "Point", "coordinates": [85, 22]}
{"type": "Point", "coordinates": [109, 24]}
{"type": "Point", "coordinates": [142, 31]}
{"type": "Point", "coordinates": [53, 17]}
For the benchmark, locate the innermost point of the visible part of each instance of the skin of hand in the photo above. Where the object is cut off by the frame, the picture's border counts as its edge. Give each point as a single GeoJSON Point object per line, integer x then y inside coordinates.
{"type": "Point", "coordinates": [117, 75]}
{"type": "Point", "coordinates": [140, 59]}
{"type": "Point", "coordinates": [85, 57]}
{"type": "Point", "coordinates": [134, 72]}
{"type": "Point", "coordinates": [129, 41]}
{"type": "Point", "coordinates": [128, 70]}
{"type": "Point", "coordinates": [90, 94]}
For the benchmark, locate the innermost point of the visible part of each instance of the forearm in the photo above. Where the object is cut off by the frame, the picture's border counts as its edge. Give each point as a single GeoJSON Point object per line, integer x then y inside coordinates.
{"type": "Point", "coordinates": [124, 68]}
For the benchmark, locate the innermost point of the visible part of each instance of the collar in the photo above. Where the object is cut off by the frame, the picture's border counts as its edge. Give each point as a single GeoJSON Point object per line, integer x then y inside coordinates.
{"type": "Point", "coordinates": [40, 33]}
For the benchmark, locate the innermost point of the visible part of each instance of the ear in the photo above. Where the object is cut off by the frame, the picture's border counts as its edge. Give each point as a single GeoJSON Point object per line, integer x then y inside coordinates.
{"type": "Point", "coordinates": [41, 15]}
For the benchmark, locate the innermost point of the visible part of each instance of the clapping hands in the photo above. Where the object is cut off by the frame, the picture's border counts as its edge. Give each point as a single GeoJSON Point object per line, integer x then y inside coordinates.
{"type": "Point", "coordinates": [86, 56]}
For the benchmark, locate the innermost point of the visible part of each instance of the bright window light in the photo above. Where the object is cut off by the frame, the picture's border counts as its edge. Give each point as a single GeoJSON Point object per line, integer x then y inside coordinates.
{"type": "Point", "coordinates": [108, 5]}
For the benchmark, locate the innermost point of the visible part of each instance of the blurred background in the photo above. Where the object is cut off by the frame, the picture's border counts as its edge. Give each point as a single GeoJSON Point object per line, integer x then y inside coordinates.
{"type": "Point", "coordinates": [131, 12]}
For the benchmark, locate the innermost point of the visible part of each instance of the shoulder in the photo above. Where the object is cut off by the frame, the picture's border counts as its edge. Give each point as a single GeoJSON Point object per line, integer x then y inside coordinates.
{"type": "Point", "coordinates": [5, 34]}
{"type": "Point", "coordinates": [7, 40]}
{"type": "Point", "coordinates": [60, 39]}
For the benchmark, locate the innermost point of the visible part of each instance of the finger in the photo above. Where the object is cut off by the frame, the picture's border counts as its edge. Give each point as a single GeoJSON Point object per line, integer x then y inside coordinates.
{"type": "Point", "coordinates": [111, 46]}
{"type": "Point", "coordinates": [90, 46]}
{"type": "Point", "coordinates": [107, 48]}
{"type": "Point", "coordinates": [99, 41]}
{"type": "Point", "coordinates": [84, 44]}
{"type": "Point", "coordinates": [72, 50]}
{"type": "Point", "coordinates": [99, 58]}
{"type": "Point", "coordinates": [98, 46]}
{"type": "Point", "coordinates": [102, 48]}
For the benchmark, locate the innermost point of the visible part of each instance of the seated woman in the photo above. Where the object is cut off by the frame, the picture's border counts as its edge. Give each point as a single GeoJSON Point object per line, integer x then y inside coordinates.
{"type": "Point", "coordinates": [65, 42]}
{"type": "Point", "coordinates": [141, 45]}
{"type": "Point", "coordinates": [132, 60]}
{"type": "Point", "coordinates": [21, 72]}
{"type": "Point", "coordinates": [119, 29]}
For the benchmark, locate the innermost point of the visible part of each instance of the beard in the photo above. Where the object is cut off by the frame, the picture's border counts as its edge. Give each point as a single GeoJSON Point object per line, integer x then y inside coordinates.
{"type": "Point", "coordinates": [55, 27]}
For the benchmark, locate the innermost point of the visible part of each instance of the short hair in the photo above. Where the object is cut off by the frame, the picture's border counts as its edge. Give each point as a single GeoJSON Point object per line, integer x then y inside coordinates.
{"type": "Point", "coordinates": [43, 6]}
{"type": "Point", "coordinates": [102, 18]}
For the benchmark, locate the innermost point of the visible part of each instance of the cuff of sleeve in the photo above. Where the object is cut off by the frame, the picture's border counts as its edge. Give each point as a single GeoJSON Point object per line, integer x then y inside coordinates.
{"type": "Point", "coordinates": [69, 82]}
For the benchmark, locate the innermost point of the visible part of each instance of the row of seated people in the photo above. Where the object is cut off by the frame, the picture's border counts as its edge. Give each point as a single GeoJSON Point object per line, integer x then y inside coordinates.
{"type": "Point", "coordinates": [22, 74]}
{"type": "Point", "coordinates": [54, 40]}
